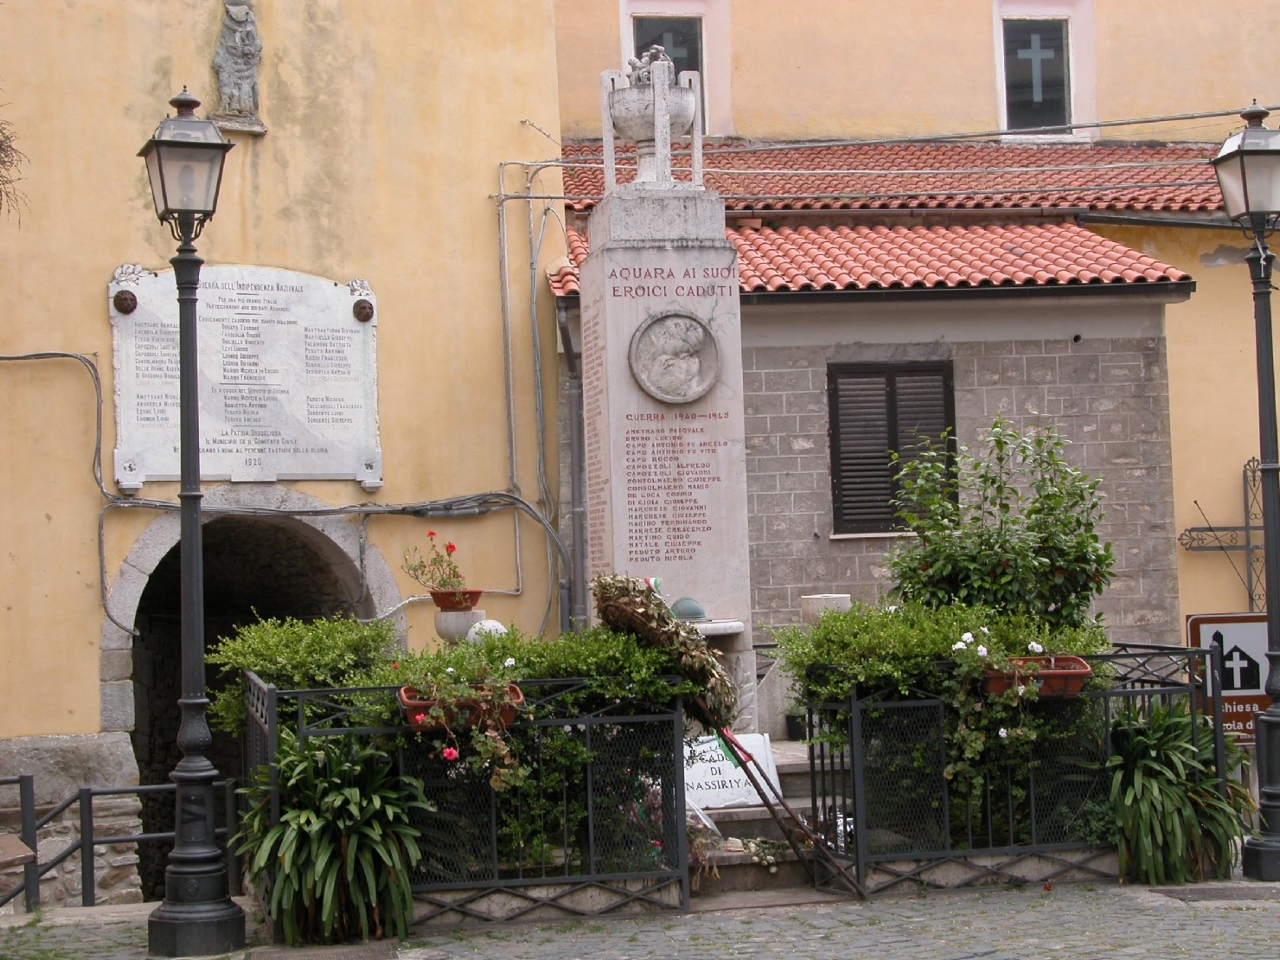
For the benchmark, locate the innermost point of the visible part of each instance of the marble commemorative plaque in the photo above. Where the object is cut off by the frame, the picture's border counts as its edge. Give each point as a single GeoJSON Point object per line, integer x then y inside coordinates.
{"type": "Point", "coordinates": [288, 376]}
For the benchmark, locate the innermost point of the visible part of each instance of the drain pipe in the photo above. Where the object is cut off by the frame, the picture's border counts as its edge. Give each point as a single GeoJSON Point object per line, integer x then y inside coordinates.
{"type": "Point", "coordinates": [577, 475]}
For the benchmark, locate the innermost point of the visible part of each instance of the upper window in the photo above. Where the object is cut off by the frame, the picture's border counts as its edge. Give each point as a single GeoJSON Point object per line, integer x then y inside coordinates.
{"type": "Point", "coordinates": [696, 36]}
{"type": "Point", "coordinates": [681, 40]}
{"type": "Point", "coordinates": [680, 37]}
{"type": "Point", "coordinates": [875, 409]}
{"type": "Point", "coordinates": [1037, 83]}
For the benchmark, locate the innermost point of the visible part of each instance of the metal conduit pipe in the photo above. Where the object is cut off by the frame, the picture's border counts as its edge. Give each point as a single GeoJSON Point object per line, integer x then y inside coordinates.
{"type": "Point", "coordinates": [577, 475]}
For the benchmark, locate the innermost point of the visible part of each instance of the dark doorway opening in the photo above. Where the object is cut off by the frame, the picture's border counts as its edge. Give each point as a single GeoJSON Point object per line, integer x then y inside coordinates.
{"type": "Point", "coordinates": [253, 568]}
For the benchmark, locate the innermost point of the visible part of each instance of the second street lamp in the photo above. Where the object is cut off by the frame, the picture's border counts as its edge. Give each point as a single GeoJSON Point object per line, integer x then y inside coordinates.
{"type": "Point", "coordinates": [1248, 169]}
{"type": "Point", "coordinates": [198, 917]}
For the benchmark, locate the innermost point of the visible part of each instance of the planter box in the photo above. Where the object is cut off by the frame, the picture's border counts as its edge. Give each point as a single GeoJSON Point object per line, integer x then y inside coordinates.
{"type": "Point", "coordinates": [466, 713]}
{"type": "Point", "coordinates": [1058, 676]}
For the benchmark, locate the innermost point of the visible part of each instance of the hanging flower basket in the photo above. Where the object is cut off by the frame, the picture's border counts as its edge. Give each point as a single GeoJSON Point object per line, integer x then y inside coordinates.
{"type": "Point", "coordinates": [1052, 676]}
{"type": "Point", "coordinates": [488, 706]}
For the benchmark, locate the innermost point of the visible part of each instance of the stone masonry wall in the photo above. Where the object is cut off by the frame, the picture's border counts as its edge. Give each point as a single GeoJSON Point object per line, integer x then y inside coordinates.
{"type": "Point", "coordinates": [1108, 396]}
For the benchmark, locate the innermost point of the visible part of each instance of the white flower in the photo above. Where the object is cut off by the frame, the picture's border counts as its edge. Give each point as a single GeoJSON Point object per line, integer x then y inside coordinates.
{"type": "Point", "coordinates": [448, 669]}
{"type": "Point", "coordinates": [982, 651]}
{"type": "Point", "coordinates": [568, 728]}
{"type": "Point", "coordinates": [509, 662]}
{"type": "Point", "coordinates": [958, 645]}
{"type": "Point", "coordinates": [967, 637]}
{"type": "Point", "coordinates": [985, 630]}
{"type": "Point", "coordinates": [1021, 689]}
{"type": "Point", "coordinates": [1003, 732]}
{"type": "Point", "coordinates": [1035, 647]}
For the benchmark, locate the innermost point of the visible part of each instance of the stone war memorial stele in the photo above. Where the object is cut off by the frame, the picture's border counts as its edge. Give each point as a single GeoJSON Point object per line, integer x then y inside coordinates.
{"type": "Point", "coordinates": [662, 370]}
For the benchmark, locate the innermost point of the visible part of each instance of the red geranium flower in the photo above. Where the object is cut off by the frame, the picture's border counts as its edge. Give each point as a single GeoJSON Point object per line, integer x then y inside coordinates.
{"type": "Point", "coordinates": [449, 753]}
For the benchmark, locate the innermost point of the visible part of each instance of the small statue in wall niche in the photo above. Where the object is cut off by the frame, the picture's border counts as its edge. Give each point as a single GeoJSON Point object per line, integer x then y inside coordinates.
{"type": "Point", "coordinates": [236, 63]}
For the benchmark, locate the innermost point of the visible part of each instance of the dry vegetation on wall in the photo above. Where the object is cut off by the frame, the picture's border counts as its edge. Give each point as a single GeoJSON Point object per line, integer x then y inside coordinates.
{"type": "Point", "coordinates": [10, 161]}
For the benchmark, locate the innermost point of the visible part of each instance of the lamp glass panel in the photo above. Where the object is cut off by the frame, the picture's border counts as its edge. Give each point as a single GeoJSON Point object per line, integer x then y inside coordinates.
{"type": "Point", "coordinates": [153, 175]}
{"type": "Point", "coordinates": [1231, 181]}
{"type": "Point", "coordinates": [1262, 182]}
{"type": "Point", "coordinates": [190, 177]}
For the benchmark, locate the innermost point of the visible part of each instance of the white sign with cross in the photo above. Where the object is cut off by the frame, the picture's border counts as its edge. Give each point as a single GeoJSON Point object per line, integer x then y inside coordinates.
{"type": "Point", "coordinates": [1243, 639]}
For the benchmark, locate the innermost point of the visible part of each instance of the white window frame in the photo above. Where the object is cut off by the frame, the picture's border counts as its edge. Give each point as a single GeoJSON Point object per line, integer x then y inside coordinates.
{"type": "Point", "coordinates": [1082, 60]}
{"type": "Point", "coordinates": [716, 60]}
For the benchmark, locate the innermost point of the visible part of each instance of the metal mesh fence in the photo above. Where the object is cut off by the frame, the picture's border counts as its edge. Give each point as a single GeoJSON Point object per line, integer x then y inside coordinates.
{"type": "Point", "coordinates": [601, 806]}
{"type": "Point", "coordinates": [885, 784]}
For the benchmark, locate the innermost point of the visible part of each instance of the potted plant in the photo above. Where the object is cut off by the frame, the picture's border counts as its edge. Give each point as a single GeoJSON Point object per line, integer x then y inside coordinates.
{"type": "Point", "coordinates": [796, 718]}
{"type": "Point", "coordinates": [463, 715]}
{"type": "Point", "coordinates": [439, 573]}
{"type": "Point", "coordinates": [1060, 675]}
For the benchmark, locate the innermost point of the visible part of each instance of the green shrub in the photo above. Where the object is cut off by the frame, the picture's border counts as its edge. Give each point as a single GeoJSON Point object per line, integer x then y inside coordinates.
{"type": "Point", "coordinates": [904, 646]}
{"type": "Point", "coordinates": [940, 651]}
{"type": "Point", "coordinates": [339, 859]}
{"type": "Point", "coordinates": [295, 655]}
{"type": "Point", "coordinates": [1013, 527]}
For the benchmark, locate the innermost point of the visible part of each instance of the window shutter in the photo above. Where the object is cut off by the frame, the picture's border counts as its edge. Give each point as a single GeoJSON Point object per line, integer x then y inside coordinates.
{"type": "Point", "coordinates": [876, 409]}
{"type": "Point", "coordinates": [922, 409]}
{"type": "Point", "coordinates": [860, 468]}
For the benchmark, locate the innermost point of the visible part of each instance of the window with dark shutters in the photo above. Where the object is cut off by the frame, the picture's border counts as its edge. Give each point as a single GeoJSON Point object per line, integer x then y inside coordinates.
{"type": "Point", "coordinates": [876, 408]}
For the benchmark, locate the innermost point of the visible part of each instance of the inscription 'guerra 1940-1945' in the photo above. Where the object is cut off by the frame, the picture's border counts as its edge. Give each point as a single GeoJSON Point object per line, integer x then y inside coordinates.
{"type": "Point", "coordinates": [288, 377]}
{"type": "Point", "coordinates": [671, 475]}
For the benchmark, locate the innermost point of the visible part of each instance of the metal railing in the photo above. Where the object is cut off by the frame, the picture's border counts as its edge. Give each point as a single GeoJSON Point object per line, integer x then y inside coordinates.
{"type": "Point", "coordinates": [89, 840]}
{"type": "Point", "coordinates": [597, 825]}
{"type": "Point", "coordinates": [883, 799]}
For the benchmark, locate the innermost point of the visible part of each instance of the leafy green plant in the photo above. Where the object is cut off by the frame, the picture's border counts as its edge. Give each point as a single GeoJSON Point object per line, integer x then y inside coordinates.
{"type": "Point", "coordinates": [912, 648]}
{"type": "Point", "coordinates": [295, 655]}
{"type": "Point", "coordinates": [1171, 814]}
{"type": "Point", "coordinates": [1013, 527]}
{"type": "Point", "coordinates": [338, 860]}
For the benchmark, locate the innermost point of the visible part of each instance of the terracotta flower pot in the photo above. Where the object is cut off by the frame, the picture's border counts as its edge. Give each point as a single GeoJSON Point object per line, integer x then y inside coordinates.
{"type": "Point", "coordinates": [460, 713]}
{"type": "Point", "coordinates": [1055, 676]}
{"type": "Point", "coordinates": [454, 600]}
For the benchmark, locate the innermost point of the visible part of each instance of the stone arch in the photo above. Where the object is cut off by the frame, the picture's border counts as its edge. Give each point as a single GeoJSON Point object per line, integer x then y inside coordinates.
{"type": "Point", "coordinates": [335, 539]}
{"type": "Point", "coordinates": [256, 564]}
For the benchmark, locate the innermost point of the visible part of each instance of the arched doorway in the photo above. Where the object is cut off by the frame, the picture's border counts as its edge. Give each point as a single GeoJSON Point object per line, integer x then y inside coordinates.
{"type": "Point", "coordinates": [256, 565]}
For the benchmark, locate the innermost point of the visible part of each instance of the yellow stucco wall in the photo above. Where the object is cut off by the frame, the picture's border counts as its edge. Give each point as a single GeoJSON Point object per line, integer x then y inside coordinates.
{"type": "Point", "coordinates": [387, 124]}
{"type": "Point", "coordinates": [837, 69]}
{"type": "Point", "coordinates": [1213, 401]}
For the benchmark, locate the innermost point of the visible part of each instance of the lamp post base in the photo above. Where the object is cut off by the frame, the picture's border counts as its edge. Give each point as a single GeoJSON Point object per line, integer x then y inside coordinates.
{"type": "Point", "coordinates": [195, 929]}
{"type": "Point", "coordinates": [1260, 860]}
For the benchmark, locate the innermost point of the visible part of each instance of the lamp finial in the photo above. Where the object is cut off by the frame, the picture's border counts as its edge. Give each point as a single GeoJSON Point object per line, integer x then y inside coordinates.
{"type": "Point", "coordinates": [1254, 114]}
{"type": "Point", "coordinates": [185, 103]}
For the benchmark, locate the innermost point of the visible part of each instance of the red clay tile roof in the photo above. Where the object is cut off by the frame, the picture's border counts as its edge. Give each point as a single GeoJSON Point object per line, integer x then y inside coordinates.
{"type": "Point", "coordinates": [892, 258]}
{"type": "Point", "coordinates": [932, 175]}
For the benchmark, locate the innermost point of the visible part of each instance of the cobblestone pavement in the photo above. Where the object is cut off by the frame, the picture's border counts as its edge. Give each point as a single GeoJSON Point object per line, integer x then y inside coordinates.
{"type": "Point", "coordinates": [1031, 924]}
{"type": "Point", "coordinates": [1226, 920]}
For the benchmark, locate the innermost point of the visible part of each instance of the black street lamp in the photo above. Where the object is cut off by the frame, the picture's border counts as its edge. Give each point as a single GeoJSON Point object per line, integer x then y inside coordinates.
{"type": "Point", "coordinates": [1248, 169]}
{"type": "Point", "coordinates": [198, 917]}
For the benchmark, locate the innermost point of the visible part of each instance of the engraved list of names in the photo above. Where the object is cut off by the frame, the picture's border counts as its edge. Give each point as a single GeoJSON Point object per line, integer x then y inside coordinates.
{"type": "Point", "coordinates": [288, 377]}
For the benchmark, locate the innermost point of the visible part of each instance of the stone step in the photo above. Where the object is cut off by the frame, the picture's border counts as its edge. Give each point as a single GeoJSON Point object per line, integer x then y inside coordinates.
{"type": "Point", "coordinates": [731, 871]}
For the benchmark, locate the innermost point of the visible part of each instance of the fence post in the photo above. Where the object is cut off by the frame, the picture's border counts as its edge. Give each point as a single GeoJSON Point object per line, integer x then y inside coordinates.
{"type": "Point", "coordinates": [231, 817]}
{"type": "Point", "coordinates": [87, 893]}
{"type": "Point", "coordinates": [1215, 704]}
{"type": "Point", "coordinates": [27, 812]}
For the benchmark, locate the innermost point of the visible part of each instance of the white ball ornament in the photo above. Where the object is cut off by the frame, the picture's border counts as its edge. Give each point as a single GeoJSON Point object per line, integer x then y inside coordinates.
{"type": "Point", "coordinates": [482, 628]}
